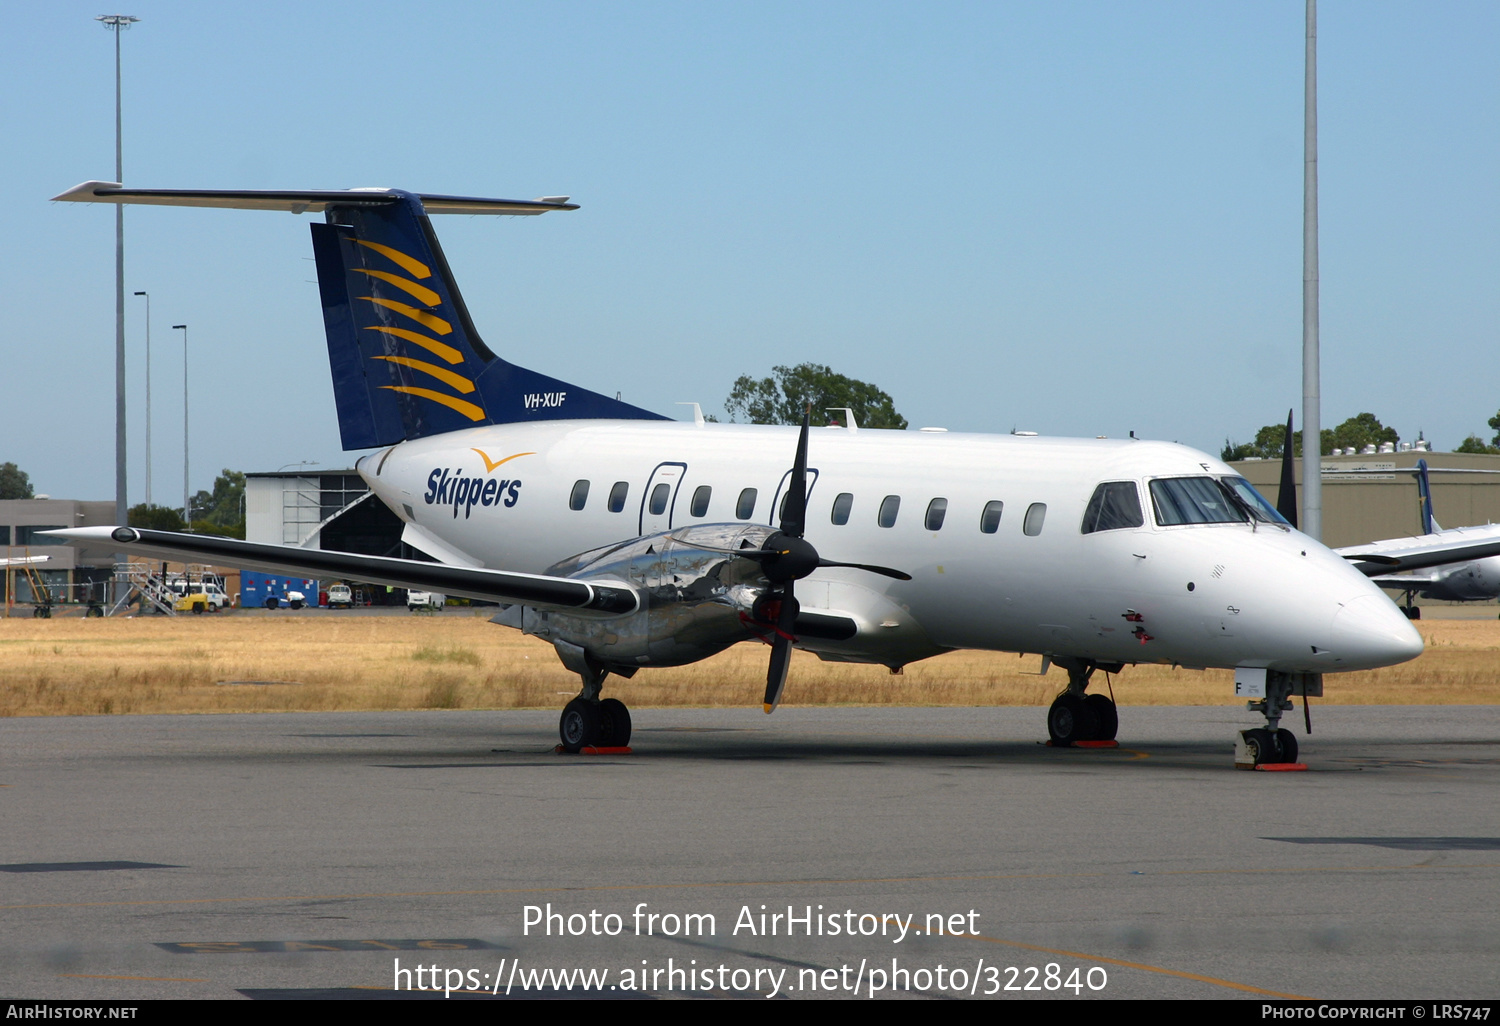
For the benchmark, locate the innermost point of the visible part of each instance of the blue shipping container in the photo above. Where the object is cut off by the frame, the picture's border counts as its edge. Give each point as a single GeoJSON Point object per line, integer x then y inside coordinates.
{"type": "Point", "coordinates": [256, 587]}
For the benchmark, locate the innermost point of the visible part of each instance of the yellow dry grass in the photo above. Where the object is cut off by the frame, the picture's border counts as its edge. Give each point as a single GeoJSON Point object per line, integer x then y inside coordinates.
{"type": "Point", "coordinates": [333, 662]}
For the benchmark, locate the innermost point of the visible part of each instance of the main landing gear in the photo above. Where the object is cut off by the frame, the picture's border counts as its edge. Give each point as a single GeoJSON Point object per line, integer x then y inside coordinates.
{"type": "Point", "coordinates": [1273, 746]}
{"type": "Point", "coordinates": [1077, 717]}
{"type": "Point", "coordinates": [1412, 612]}
{"type": "Point", "coordinates": [589, 721]}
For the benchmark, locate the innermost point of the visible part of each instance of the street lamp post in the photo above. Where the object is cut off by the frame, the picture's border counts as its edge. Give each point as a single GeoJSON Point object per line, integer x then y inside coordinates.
{"type": "Point", "coordinates": [1312, 417]}
{"type": "Point", "coordinates": [117, 23]}
{"type": "Point", "coordinates": [148, 395]}
{"type": "Point", "coordinates": [187, 513]}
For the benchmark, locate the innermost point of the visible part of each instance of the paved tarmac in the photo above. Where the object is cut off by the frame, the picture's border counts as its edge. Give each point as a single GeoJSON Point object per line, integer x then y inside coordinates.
{"type": "Point", "coordinates": [304, 854]}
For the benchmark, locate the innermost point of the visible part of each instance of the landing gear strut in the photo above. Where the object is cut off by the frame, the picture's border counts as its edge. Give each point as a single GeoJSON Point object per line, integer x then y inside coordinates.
{"type": "Point", "coordinates": [1273, 744]}
{"type": "Point", "coordinates": [1412, 612]}
{"type": "Point", "coordinates": [1076, 716]}
{"type": "Point", "coordinates": [589, 721]}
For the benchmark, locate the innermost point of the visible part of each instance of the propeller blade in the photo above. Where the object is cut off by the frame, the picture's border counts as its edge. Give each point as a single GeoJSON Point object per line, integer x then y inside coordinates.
{"type": "Point", "coordinates": [1286, 499]}
{"type": "Point", "coordinates": [884, 571]}
{"type": "Point", "coordinates": [794, 512]}
{"type": "Point", "coordinates": [781, 650]}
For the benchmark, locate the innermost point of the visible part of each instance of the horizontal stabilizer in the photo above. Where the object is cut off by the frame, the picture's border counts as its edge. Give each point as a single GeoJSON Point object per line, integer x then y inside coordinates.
{"type": "Point", "coordinates": [467, 582]}
{"type": "Point", "coordinates": [301, 201]}
{"type": "Point", "coordinates": [1405, 580]}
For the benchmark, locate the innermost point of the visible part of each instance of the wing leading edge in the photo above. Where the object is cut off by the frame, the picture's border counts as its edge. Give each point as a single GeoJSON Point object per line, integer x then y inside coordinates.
{"type": "Point", "coordinates": [1430, 550]}
{"type": "Point", "coordinates": [469, 582]}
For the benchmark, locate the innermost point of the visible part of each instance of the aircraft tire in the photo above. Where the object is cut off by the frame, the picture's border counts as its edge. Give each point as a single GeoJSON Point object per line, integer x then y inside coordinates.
{"type": "Point", "coordinates": [1106, 717]}
{"type": "Point", "coordinates": [579, 726]}
{"type": "Point", "coordinates": [1262, 745]}
{"type": "Point", "coordinates": [1070, 719]}
{"type": "Point", "coordinates": [614, 726]}
{"type": "Point", "coordinates": [1286, 743]}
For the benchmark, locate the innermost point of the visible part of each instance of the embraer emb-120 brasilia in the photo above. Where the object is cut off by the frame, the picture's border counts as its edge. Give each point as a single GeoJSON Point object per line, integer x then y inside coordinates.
{"type": "Point", "coordinates": [631, 541]}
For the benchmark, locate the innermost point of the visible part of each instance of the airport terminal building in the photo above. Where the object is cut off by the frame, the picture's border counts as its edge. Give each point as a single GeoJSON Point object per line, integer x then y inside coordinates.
{"type": "Point", "coordinates": [69, 571]}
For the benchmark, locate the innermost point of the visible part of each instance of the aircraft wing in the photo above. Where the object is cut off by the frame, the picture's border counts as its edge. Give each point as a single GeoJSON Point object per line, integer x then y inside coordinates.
{"type": "Point", "coordinates": [22, 560]}
{"type": "Point", "coordinates": [1454, 546]}
{"type": "Point", "coordinates": [469, 582]}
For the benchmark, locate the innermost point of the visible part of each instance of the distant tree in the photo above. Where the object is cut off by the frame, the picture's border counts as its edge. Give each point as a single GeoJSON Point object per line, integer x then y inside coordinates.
{"type": "Point", "coordinates": [781, 398]}
{"type": "Point", "coordinates": [222, 510]}
{"type": "Point", "coordinates": [155, 518]}
{"type": "Point", "coordinates": [1268, 444]}
{"type": "Point", "coordinates": [1362, 430]}
{"type": "Point", "coordinates": [14, 483]}
{"type": "Point", "coordinates": [1476, 444]}
{"type": "Point", "coordinates": [1495, 425]}
{"type": "Point", "coordinates": [1354, 433]}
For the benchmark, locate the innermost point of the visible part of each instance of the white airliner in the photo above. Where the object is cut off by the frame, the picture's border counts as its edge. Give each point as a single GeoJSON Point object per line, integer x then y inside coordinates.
{"type": "Point", "coordinates": [1463, 579]}
{"type": "Point", "coordinates": [630, 541]}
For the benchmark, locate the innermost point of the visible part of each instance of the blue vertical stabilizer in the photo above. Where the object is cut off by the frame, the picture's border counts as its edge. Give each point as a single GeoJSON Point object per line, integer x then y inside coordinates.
{"type": "Point", "coordinates": [406, 360]}
{"type": "Point", "coordinates": [405, 357]}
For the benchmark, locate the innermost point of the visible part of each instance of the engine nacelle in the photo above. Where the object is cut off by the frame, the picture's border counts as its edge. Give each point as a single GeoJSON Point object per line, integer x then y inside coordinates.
{"type": "Point", "coordinates": [697, 598]}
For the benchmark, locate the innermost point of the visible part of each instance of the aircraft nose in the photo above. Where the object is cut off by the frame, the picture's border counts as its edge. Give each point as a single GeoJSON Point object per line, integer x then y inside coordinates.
{"type": "Point", "coordinates": [1370, 631]}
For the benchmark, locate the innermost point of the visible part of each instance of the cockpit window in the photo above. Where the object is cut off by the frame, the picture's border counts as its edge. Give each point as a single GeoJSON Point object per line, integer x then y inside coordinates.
{"type": "Point", "coordinates": [1194, 500]}
{"type": "Point", "coordinates": [1262, 509]}
{"type": "Point", "coordinates": [1115, 504]}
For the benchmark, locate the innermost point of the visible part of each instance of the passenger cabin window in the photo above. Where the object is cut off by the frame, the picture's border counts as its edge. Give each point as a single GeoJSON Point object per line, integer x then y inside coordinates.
{"type": "Point", "coordinates": [580, 495]}
{"type": "Point", "coordinates": [889, 507]}
{"type": "Point", "coordinates": [699, 508]}
{"type": "Point", "coordinates": [659, 496]}
{"type": "Point", "coordinates": [1116, 504]}
{"type": "Point", "coordinates": [937, 509]}
{"type": "Point", "coordinates": [1193, 500]}
{"type": "Point", "coordinates": [745, 507]}
{"type": "Point", "coordinates": [841, 506]}
{"type": "Point", "coordinates": [989, 520]}
{"type": "Point", "coordinates": [1036, 515]}
{"type": "Point", "coordinates": [617, 496]}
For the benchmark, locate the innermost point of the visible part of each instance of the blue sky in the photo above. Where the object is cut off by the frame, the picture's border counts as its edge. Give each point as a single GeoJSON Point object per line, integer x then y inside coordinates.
{"type": "Point", "coordinates": [1073, 218]}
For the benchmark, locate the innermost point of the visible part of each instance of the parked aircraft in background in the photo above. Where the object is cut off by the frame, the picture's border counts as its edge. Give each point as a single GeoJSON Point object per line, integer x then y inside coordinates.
{"type": "Point", "coordinates": [22, 560]}
{"type": "Point", "coordinates": [1471, 580]}
{"type": "Point", "coordinates": [630, 541]}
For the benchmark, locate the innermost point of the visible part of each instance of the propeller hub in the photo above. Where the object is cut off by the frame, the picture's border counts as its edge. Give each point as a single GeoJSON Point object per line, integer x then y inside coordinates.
{"type": "Point", "coordinates": [792, 559]}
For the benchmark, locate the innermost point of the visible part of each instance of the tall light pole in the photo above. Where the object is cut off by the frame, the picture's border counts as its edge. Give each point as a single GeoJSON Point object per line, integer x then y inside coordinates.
{"type": "Point", "coordinates": [187, 513]}
{"type": "Point", "coordinates": [148, 395]}
{"type": "Point", "coordinates": [118, 23]}
{"type": "Point", "coordinates": [1312, 433]}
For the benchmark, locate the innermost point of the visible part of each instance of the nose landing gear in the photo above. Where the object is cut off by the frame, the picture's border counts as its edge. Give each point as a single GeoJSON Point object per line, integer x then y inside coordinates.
{"type": "Point", "coordinates": [1273, 747]}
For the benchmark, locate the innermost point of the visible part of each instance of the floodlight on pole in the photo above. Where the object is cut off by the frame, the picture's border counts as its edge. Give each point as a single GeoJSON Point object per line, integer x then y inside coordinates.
{"type": "Point", "coordinates": [117, 23]}
{"type": "Point", "coordinates": [148, 395]}
{"type": "Point", "coordinates": [187, 513]}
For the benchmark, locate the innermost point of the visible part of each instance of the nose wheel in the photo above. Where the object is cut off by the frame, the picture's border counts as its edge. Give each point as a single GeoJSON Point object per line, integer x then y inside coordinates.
{"type": "Point", "coordinates": [1273, 747]}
